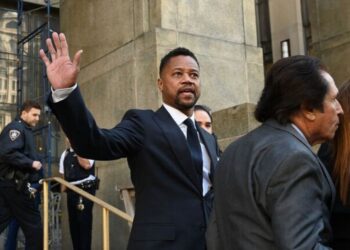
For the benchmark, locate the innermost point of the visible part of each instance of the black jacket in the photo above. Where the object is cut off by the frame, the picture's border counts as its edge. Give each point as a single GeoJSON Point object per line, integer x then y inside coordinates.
{"type": "Point", "coordinates": [170, 208]}
{"type": "Point", "coordinates": [17, 151]}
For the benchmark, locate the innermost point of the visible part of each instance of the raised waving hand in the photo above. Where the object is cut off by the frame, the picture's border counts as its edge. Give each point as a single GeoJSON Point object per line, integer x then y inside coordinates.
{"type": "Point", "coordinates": [62, 72]}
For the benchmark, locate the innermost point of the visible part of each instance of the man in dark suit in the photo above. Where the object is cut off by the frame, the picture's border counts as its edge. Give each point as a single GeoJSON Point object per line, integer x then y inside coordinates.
{"type": "Point", "coordinates": [271, 190]}
{"type": "Point", "coordinates": [171, 174]}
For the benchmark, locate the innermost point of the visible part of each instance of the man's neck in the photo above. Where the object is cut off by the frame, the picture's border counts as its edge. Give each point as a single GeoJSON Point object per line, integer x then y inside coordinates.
{"type": "Point", "coordinates": [25, 123]}
{"type": "Point", "coordinates": [304, 128]}
{"type": "Point", "coordinates": [187, 112]}
{"type": "Point", "coordinates": [176, 114]}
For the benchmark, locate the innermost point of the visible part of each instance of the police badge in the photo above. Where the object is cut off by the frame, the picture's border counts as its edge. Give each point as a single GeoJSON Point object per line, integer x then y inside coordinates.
{"type": "Point", "coordinates": [14, 134]}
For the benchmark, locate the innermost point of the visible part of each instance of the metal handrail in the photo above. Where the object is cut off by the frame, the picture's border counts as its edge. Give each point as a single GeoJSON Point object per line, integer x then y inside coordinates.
{"type": "Point", "coordinates": [106, 208]}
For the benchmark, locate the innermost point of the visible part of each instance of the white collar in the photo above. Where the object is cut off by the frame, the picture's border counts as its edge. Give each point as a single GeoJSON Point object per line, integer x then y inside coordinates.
{"type": "Point", "coordinates": [177, 115]}
{"type": "Point", "coordinates": [299, 131]}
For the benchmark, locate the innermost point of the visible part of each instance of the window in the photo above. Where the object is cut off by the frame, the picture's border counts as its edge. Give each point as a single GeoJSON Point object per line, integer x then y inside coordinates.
{"type": "Point", "coordinates": [3, 98]}
{"type": "Point", "coordinates": [13, 98]}
{"type": "Point", "coordinates": [14, 83]}
{"type": "Point", "coordinates": [285, 48]}
{"type": "Point", "coordinates": [3, 71]}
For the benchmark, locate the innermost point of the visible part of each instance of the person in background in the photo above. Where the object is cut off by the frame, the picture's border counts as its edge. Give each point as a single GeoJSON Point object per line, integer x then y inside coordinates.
{"type": "Point", "coordinates": [171, 159]}
{"type": "Point", "coordinates": [335, 154]}
{"type": "Point", "coordinates": [80, 172]}
{"type": "Point", "coordinates": [271, 190]}
{"type": "Point", "coordinates": [19, 167]}
{"type": "Point", "coordinates": [204, 118]}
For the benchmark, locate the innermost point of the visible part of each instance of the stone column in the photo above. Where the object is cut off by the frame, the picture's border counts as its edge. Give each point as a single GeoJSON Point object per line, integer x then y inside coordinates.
{"type": "Point", "coordinates": [123, 42]}
{"type": "Point", "coordinates": [330, 31]}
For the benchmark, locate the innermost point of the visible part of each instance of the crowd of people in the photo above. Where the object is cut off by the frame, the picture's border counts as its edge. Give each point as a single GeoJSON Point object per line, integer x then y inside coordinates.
{"type": "Point", "coordinates": [267, 190]}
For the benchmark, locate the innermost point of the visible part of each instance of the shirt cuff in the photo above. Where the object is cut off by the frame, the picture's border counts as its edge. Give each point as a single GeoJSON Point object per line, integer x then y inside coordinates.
{"type": "Point", "coordinates": [61, 94]}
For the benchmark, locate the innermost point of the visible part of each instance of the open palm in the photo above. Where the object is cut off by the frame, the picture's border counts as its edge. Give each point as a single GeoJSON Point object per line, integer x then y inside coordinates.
{"type": "Point", "coordinates": [62, 72]}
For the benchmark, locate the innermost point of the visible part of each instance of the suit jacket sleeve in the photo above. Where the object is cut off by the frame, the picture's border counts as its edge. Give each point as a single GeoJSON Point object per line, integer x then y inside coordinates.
{"type": "Point", "coordinates": [295, 203]}
{"type": "Point", "coordinates": [92, 142]}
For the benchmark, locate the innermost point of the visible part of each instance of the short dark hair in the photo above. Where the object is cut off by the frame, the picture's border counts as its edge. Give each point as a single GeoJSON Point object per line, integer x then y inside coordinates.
{"type": "Point", "coordinates": [179, 51]}
{"type": "Point", "coordinates": [205, 109]}
{"type": "Point", "coordinates": [291, 82]}
{"type": "Point", "coordinates": [29, 104]}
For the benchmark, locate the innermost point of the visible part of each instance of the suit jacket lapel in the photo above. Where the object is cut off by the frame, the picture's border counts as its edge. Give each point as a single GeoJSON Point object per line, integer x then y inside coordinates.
{"type": "Point", "coordinates": [178, 144]}
{"type": "Point", "coordinates": [210, 145]}
{"type": "Point", "coordinates": [330, 181]}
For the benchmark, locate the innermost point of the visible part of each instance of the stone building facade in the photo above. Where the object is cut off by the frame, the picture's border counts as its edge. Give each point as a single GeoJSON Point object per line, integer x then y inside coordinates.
{"type": "Point", "coordinates": [236, 41]}
{"type": "Point", "coordinates": [123, 42]}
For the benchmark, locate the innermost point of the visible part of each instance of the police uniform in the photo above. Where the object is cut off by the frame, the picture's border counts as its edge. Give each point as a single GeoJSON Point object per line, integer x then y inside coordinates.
{"type": "Point", "coordinates": [79, 208]}
{"type": "Point", "coordinates": [17, 153]}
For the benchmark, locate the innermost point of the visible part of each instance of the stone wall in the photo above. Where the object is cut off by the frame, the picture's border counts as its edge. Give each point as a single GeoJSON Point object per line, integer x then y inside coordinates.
{"type": "Point", "coordinates": [330, 29]}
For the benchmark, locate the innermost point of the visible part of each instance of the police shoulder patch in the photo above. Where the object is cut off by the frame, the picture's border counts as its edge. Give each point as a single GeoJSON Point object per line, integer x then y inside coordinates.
{"type": "Point", "coordinates": [14, 134]}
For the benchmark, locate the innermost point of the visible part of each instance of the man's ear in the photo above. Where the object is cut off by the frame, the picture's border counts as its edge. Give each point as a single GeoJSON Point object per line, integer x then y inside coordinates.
{"type": "Point", "coordinates": [311, 116]}
{"type": "Point", "coordinates": [160, 84]}
{"type": "Point", "coordinates": [308, 112]}
{"type": "Point", "coordinates": [23, 114]}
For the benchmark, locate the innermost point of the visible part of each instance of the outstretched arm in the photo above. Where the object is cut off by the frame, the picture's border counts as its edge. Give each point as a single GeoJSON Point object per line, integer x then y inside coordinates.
{"type": "Point", "coordinates": [84, 163]}
{"type": "Point", "coordinates": [61, 71]}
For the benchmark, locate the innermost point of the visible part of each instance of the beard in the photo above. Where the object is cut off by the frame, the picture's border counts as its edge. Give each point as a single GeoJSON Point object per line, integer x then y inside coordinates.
{"type": "Point", "coordinates": [185, 105]}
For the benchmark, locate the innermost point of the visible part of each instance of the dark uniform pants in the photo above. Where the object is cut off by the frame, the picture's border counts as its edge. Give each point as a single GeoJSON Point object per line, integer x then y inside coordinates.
{"type": "Point", "coordinates": [15, 204]}
{"type": "Point", "coordinates": [80, 222]}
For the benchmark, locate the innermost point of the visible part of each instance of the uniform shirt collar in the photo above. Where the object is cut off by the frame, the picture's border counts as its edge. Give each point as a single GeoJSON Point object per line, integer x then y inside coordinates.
{"type": "Point", "coordinates": [25, 124]}
{"type": "Point", "coordinates": [177, 115]}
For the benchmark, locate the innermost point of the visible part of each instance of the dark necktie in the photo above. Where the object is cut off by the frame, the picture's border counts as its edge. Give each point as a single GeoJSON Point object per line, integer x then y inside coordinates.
{"type": "Point", "coordinates": [195, 147]}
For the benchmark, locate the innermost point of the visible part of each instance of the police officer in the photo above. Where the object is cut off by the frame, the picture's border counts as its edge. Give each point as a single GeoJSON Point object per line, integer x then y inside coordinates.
{"type": "Point", "coordinates": [80, 172]}
{"type": "Point", "coordinates": [19, 166]}
{"type": "Point", "coordinates": [13, 227]}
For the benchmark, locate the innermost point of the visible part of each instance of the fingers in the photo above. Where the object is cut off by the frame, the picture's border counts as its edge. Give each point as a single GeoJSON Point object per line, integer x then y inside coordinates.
{"type": "Point", "coordinates": [39, 166]}
{"type": "Point", "coordinates": [51, 49]}
{"type": "Point", "coordinates": [57, 47]}
{"type": "Point", "coordinates": [64, 44]}
{"type": "Point", "coordinates": [76, 59]}
{"type": "Point", "coordinates": [36, 165]}
{"type": "Point", "coordinates": [60, 48]}
{"type": "Point", "coordinates": [44, 57]}
{"type": "Point", "coordinates": [57, 43]}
